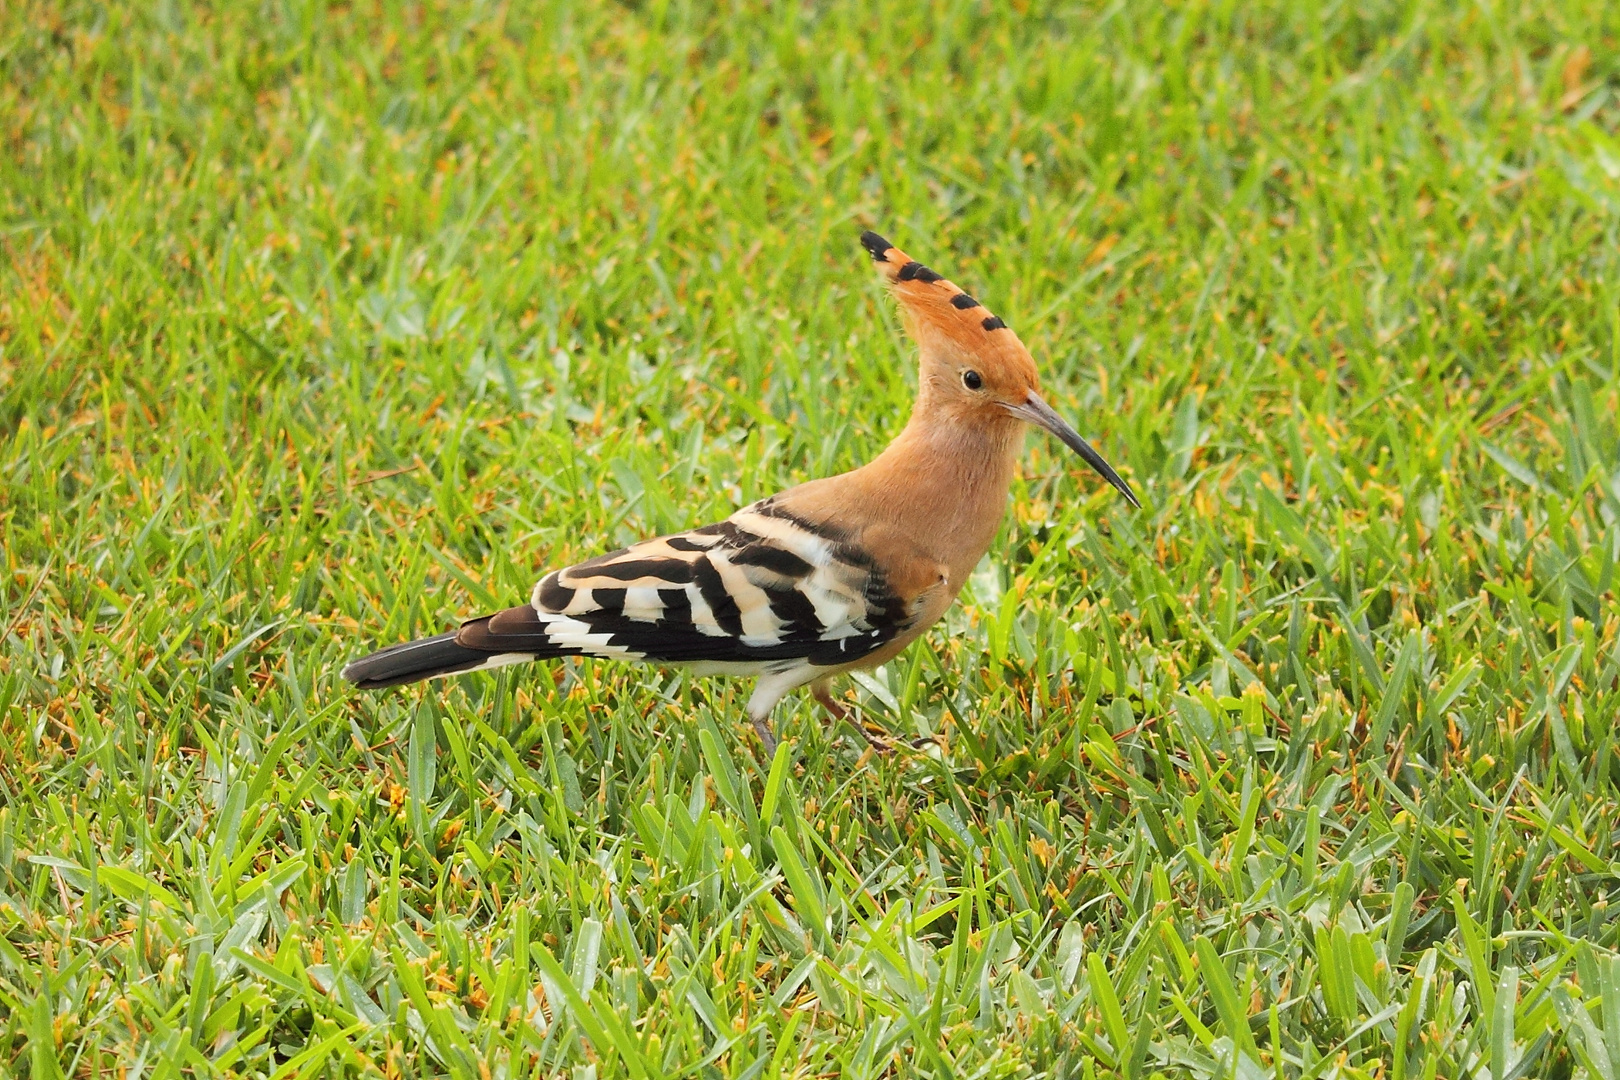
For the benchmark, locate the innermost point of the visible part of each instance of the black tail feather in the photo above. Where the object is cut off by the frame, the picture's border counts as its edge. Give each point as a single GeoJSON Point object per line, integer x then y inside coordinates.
{"type": "Point", "coordinates": [414, 661]}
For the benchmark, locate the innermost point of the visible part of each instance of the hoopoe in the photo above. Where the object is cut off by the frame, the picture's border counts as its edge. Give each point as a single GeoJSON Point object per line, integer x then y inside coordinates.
{"type": "Point", "coordinates": [832, 575]}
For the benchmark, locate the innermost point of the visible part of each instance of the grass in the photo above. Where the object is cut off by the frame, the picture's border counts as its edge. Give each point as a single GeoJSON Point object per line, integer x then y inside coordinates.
{"type": "Point", "coordinates": [325, 325]}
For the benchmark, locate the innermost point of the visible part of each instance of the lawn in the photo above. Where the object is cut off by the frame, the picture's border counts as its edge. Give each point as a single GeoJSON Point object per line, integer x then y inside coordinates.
{"type": "Point", "coordinates": [324, 326]}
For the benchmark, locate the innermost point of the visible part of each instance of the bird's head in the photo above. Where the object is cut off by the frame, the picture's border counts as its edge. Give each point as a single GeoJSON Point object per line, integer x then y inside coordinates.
{"type": "Point", "coordinates": [973, 366]}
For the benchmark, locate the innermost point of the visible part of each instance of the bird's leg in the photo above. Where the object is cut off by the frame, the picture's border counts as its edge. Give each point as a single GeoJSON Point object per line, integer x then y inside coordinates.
{"type": "Point", "coordinates": [767, 692]}
{"type": "Point", "coordinates": [821, 690]}
{"type": "Point", "coordinates": [767, 738]}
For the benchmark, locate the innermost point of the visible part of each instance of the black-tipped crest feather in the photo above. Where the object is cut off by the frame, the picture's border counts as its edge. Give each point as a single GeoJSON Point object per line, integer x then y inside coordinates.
{"type": "Point", "coordinates": [875, 246]}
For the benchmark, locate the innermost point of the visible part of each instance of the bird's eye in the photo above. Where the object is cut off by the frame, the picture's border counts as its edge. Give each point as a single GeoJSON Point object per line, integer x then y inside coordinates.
{"type": "Point", "coordinates": [971, 380]}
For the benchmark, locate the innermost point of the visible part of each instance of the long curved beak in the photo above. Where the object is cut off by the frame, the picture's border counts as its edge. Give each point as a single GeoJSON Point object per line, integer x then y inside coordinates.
{"type": "Point", "coordinates": [1037, 411]}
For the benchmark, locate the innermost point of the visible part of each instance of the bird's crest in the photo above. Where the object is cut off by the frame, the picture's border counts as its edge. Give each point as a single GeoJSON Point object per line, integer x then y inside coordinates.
{"type": "Point", "coordinates": [940, 313]}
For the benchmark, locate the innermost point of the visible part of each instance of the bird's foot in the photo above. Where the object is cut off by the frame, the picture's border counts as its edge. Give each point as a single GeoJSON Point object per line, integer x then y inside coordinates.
{"type": "Point", "coordinates": [877, 738]}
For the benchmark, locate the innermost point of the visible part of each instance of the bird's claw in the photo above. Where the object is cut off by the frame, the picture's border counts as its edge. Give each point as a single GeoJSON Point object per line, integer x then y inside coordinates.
{"type": "Point", "coordinates": [878, 740]}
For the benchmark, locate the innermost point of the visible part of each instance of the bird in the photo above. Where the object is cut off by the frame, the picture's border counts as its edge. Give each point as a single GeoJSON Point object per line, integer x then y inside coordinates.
{"type": "Point", "coordinates": [836, 574]}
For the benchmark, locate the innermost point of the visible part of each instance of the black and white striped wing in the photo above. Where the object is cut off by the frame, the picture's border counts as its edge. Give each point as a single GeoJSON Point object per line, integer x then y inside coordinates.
{"type": "Point", "coordinates": [762, 590]}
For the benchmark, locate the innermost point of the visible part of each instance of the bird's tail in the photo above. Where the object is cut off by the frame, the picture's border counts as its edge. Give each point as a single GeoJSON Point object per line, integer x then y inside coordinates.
{"type": "Point", "coordinates": [426, 658]}
{"type": "Point", "coordinates": [513, 636]}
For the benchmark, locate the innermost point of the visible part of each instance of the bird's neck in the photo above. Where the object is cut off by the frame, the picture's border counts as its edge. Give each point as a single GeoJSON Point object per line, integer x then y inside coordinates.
{"type": "Point", "coordinates": [946, 478]}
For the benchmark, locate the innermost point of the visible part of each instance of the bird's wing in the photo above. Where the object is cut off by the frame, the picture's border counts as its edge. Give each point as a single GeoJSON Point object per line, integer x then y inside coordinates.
{"type": "Point", "coordinates": [760, 588]}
